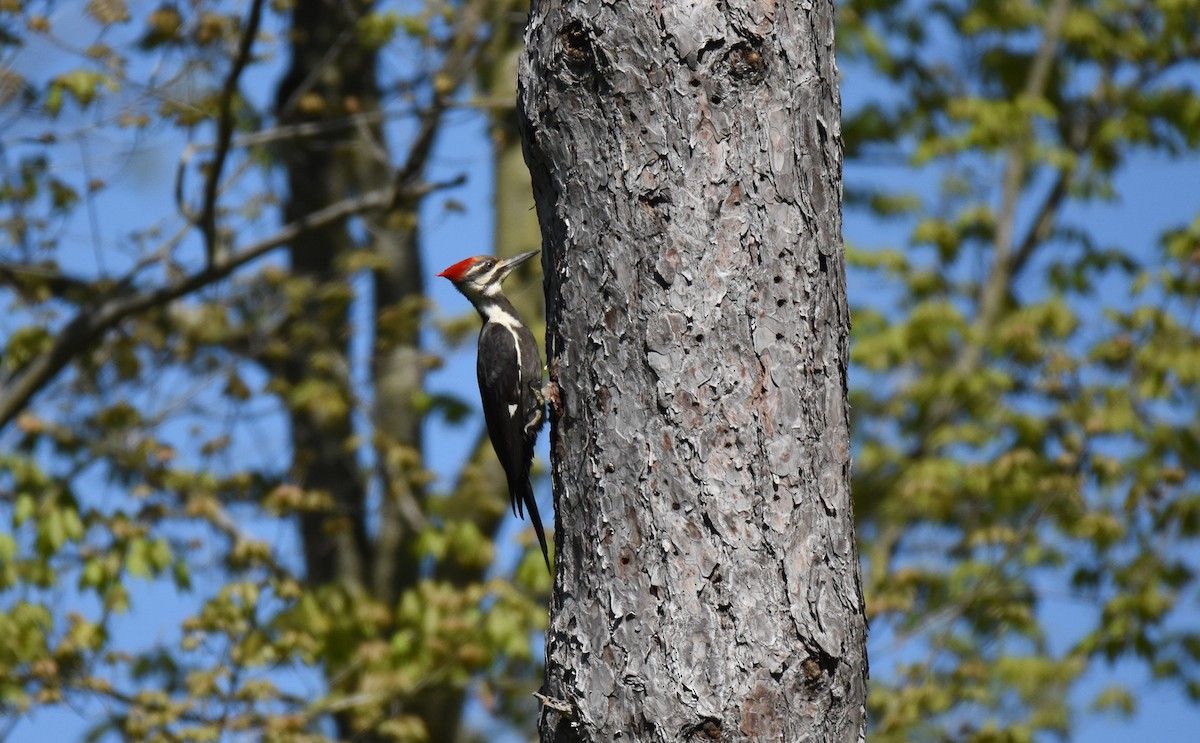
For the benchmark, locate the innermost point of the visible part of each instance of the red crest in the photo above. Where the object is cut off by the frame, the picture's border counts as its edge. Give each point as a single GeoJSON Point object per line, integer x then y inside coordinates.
{"type": "Point", "coordinates": [455, 272]}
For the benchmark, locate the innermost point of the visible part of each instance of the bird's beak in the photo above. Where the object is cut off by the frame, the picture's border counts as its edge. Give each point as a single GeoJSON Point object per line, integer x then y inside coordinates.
{"type": "Point", "coordinates": [510, 265]}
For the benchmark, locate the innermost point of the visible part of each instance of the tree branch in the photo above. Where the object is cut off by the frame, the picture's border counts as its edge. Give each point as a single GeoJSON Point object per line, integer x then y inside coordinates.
{"type": "Point", "coordinates": [27, 278]}
{"type": "Point", "coordinates": [208, 213]}
{"type": "Point", "coordinates": [996, 288]}
{"type": "Point", "coordinates": [459, 61]}
{"type": "Point", "coordinates": [1039, 231]}
{"type": "Point", "coordinates": [91, 322]}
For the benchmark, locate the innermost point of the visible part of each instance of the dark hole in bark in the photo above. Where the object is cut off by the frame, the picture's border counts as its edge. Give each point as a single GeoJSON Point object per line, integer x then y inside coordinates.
{"type": "Point", "coordinates": [818, 670]}
{"type": "Point", "coordinates": [708, 728]}
{"type": "Point", "coordinates": [746, 60]}
{"type": "Point", "coordinates": [576, 46]}
{"type": "Point", "coordinates": [655, 198]}
{"type": "Point", "coordinates": [565, 730]}
{"type": "Point", "coordinates": [711, 45]}
{"type": "Point", "coordinates": [823, 262]}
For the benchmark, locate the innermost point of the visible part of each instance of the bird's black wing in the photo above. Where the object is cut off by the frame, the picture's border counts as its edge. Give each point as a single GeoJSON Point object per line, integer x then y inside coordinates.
{"type": "Point", "coordinates": [500, 388]}
{"type": "Point", "coordinates": [509, 393]}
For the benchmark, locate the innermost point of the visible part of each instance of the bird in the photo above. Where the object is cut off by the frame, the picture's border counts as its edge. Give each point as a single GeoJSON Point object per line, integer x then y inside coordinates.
{"type": "Point", "coordinates": [510, 376]}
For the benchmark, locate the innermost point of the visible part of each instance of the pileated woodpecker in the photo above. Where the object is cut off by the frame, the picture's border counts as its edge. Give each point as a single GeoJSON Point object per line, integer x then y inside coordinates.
{"type": "Point", "coordinates": [510, 376]}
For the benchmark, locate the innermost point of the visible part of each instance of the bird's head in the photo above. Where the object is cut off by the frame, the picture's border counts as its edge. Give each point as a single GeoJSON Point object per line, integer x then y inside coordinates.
{"type": "Point", "coordinates": [481, 275]}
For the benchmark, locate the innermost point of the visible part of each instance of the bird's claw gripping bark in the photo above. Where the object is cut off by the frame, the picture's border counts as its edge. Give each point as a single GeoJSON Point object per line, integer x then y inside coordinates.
{"type": "Point", "coordinates": [553, 397]}
{"type": "Point", "coordinates": [551, 391]}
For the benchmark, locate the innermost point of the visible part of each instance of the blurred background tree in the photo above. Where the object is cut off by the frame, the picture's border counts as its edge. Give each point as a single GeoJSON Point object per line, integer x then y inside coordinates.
{"type": "Point", "coordinates": [230, 410]}
{"type": "Point", "coordinates": [1025, 383]}
{"type": "Point", "coordinates": [218, 430]}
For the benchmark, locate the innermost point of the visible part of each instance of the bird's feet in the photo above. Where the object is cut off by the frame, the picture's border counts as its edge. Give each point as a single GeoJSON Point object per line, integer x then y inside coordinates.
{"type": "Point", "coordinates": [551, 391]}
{"type": "Point", "coordinates": [554, 398]}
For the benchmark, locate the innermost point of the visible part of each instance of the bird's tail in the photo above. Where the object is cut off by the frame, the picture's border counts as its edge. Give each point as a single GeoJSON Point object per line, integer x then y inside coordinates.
{"type": "Point", "coordinates": [523, 493]}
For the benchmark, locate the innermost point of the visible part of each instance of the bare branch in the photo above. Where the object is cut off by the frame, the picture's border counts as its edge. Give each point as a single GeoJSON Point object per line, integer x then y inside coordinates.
{"type": "Point", "coordinates": [27, 278]}
{"type": "Point", "coordinates": [460, 59]}
{"type": "Point", "coordinates": [1039, 231]}
{"type": "Point", "coordinates": [267, 136]}
{"type": "Point", "coordinates": [208, 214]}
{"type": "Point", "coordinates": [91, 322]}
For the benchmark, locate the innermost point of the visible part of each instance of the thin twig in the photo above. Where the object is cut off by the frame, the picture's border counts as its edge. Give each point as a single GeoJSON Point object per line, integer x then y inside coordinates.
{"type": "Point", "coordinates": [459, 60]}
{"type": "Point", "coordinates": [208, 213]}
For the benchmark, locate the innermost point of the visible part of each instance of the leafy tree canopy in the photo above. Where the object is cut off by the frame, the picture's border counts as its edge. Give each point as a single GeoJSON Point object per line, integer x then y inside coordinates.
{"type": "Point", "coordinates": [1025, 386]}
{"type": "Point", "coordinates": [159, 347]}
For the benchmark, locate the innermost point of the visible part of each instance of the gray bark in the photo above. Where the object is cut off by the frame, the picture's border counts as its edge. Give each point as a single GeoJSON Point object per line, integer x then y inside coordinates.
{"type": "Point", "coordinates": [686, 160]}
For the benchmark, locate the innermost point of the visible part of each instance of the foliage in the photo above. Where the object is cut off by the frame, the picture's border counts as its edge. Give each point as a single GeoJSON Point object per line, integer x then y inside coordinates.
{"type": "Point", "coordinates": [1025, 388]}
{"type": "Point", "coordinates": [153, 579]}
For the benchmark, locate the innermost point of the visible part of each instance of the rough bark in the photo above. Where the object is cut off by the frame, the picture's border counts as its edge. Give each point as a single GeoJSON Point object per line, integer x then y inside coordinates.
{"type": "Point", "coordinates": [686, 161]}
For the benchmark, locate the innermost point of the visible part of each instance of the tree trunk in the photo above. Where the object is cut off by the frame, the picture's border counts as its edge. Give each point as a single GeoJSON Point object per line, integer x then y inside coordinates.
{"type": "Point", "coordinates": [331, 77]}
{"type": "Point", "coordinates": [326, 76]}
{"type": "Point", "coordinates": [687, 172]}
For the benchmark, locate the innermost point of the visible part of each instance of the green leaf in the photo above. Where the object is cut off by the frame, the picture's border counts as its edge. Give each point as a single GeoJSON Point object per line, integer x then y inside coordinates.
{"type": "Point", "coordinates": [23, 509]}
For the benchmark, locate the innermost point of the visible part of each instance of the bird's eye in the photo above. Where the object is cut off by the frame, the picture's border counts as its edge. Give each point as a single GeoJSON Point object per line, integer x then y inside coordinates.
{"type": "Point", "coordinates": [489, 265]}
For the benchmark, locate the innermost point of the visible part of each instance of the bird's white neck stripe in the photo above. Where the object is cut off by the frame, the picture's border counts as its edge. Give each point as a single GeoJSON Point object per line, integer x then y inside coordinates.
{"type": "Point", "coordinates": [507, 320]}
{"type": "Point", "coordinates": [500, 316]}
